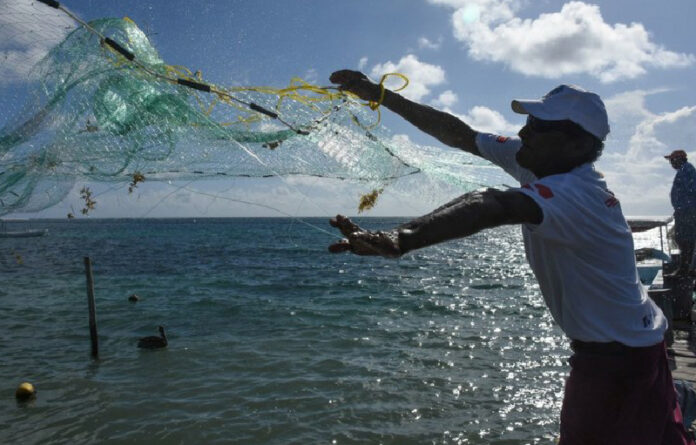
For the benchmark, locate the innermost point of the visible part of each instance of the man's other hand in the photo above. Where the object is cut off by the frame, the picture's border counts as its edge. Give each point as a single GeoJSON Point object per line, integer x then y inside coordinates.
{"type": "Point", "coordinates": [364, 242]}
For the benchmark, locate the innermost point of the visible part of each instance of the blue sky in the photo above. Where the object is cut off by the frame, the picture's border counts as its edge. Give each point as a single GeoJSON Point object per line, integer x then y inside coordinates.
{"type": "Point", "coordinates": [467, 57]}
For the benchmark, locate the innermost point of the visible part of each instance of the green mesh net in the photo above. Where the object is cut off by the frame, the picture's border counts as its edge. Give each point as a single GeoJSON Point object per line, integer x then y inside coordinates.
{"type": "Point", "coordinates": [95, 116]}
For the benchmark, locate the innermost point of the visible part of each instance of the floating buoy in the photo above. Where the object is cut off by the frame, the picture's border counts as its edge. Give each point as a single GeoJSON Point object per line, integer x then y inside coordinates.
{"type": "Point", "coordinates": [25, 391]}
{"type": "Point", "coordinates": [133, 298]}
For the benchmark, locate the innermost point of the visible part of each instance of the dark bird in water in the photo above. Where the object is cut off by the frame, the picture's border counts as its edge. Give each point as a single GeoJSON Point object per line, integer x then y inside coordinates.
{"type": "Point", "coordinates": [134, 298]}
{"type": "Point", "coordinates": [154, 342]}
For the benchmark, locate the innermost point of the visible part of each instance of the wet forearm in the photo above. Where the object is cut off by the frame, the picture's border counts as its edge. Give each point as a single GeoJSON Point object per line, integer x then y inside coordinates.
{"type": "Point", "coordinates": [445, 127]}
{"type": "Point", "coordinates": [466, 215]}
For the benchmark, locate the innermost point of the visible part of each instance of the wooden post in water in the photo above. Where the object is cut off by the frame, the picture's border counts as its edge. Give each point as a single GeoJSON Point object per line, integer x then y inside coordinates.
{"type": "Point", "coordinates": [92, 308]}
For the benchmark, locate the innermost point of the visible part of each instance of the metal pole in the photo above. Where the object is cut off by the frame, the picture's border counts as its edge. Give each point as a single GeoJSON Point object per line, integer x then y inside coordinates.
{"type": "Point", "coordinates": [662, 245]}
{"type": "Point", "coordinates": [92, 308]}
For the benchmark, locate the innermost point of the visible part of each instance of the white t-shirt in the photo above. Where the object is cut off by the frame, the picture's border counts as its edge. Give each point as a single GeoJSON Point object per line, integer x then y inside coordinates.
{"type": "Point", "coordinates": [582, 253]}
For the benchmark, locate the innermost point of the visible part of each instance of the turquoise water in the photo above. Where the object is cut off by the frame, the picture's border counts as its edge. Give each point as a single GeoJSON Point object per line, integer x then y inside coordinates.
{"type": "Point", "coordinates": [272, 339]}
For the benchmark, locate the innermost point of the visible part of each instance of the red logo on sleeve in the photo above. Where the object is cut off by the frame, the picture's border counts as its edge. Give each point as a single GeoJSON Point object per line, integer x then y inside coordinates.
{"type": "Point", "coordinates": [501, 139]}
{"type": "Point", "coordinates": [544, 191]}
{"type": "Point", "coordinates": [611, 201]}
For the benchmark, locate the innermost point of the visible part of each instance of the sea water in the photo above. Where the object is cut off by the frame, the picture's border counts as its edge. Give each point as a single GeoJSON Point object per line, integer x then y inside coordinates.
{"type": "Point", "coordinates": [273, 340]}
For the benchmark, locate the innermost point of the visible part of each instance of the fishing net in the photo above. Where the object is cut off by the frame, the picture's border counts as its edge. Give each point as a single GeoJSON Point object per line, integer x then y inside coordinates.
{"type": "Point", "coordinates": [104, 107]}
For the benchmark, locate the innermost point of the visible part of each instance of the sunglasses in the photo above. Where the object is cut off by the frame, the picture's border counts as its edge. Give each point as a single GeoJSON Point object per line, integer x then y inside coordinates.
{"type": "Point", "coordinates": [543, 126]}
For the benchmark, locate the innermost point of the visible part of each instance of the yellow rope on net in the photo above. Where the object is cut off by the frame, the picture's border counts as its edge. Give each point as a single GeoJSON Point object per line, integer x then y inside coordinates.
{"type": "Point", "coordinates": [375, 105]}
{"type": "Point", "coordinates": [299, 90]}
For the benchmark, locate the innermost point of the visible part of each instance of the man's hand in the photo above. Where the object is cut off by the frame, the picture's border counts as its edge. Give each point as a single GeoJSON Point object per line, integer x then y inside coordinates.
{"type": "Point", "coordinates": [364, 242]}
{"type": "Point", "coordinates": [357, 83]}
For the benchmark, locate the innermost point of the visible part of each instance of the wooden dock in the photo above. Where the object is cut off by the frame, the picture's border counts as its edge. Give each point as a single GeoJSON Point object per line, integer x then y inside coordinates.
{"type": "Point", "coordinates": [674, 296]}
{"type": "Point", "coordinates": [683, 366]}
{"type": "Point", "coordinates": [684, 359]}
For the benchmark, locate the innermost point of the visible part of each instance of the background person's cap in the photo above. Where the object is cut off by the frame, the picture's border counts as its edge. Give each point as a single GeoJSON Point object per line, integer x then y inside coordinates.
{"type": "Point", "coordinates": [676, 154]}
{"type": "Point", "coordinates": [568, 102]}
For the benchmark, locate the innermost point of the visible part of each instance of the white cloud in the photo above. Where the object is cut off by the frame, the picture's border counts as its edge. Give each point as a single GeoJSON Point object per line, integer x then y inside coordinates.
{"type": "Point", "coordinates": [362, 64]}
{"type": "Point", "coordinates": [28, 30]}
{"type": "Point", "coordinates": [633, 160]}
{"type": "Point", "coordinates": [401, 138]}
{"type": "Point", "coordinates": [649, 141]}
{"type": "Point", "coordinates": [311, 75]}
{"type": "Point", "coordinates": [425, 43]}
{"type": "Point", "coordinates": [625, 110]}
{"type": "Point", "coordinates": [445, 99]}
{"type": "Point", "coordinates": [422, 76]}
{"type": "Point", "coordinates": [269, 126]}
{"type": "Point", "coordinates": [629, 104]}
{"type": "Point", "coordinates": [647, 135]}
{"type": "Point", "coordinates": [490, 10]}
{"type": "Point", "coordinates": [487, 120]}
{"type": "Point", "coordinates": [574, 40]}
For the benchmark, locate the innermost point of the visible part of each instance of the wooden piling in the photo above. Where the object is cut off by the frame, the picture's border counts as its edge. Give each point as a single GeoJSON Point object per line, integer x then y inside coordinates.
{"type": "Point", "coordinates": [92, 308]}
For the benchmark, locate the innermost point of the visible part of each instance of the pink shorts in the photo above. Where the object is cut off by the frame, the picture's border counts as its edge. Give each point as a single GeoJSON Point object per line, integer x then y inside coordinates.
{"type": "Point", "coordinates": [620, 395]}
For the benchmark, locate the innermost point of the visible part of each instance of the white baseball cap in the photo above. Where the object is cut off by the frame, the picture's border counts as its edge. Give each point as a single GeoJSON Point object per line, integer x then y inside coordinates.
{"type": "Point", "coordinates": [568, 102]}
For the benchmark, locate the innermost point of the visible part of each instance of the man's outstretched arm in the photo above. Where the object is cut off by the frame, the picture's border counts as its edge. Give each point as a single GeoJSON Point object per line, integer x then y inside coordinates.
{"type": "Point", "coordinates": [448, 129]}
{"type": "Point", "coordinates": [463, 216]}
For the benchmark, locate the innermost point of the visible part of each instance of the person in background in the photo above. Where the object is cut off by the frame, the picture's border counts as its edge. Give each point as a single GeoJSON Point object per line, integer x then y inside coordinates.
{"type": "Point", "coordinates": [578, 244]}
{"type": "Point", "coordinates": [683, 197]}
